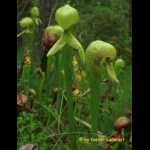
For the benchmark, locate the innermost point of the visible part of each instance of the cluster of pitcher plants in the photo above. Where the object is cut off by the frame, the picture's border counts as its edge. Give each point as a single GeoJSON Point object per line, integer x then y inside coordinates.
{"type": "Point", "coordinates": [97, 63]}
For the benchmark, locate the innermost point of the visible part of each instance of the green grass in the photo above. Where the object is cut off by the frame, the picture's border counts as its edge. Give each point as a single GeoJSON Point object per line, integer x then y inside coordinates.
{"type": "Point", "coordinates": [37, 127]}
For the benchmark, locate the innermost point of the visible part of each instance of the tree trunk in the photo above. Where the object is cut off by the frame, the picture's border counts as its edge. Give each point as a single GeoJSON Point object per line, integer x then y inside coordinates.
{"type": "Point", "coordinates": [46, 11]}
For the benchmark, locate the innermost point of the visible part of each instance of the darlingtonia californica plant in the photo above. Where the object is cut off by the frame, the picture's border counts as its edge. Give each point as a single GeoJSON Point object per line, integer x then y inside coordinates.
{"type": "Point", "coordinates": [97, 54]}
{"type": "Point", "coordinates": [66, 17]}
{"type": "Point", "coordinates": [119, 65]}
{"type": "Point", "coordinates": [28, 24]}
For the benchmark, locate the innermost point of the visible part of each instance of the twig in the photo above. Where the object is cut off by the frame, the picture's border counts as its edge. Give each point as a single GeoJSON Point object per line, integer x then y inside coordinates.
{"type": "Point", "coordinates": [82, 122]}
{"type": "Point", "coordinates": [85, 93]}
{"type": "Point", "coordinates": [19, 34]}
{"type": "Point", "coordinates": [53, 9]}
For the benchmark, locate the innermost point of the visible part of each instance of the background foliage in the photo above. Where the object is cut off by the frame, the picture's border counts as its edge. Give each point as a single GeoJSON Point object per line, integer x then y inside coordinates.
{"type": "Point", "coordinates": [108, 20]}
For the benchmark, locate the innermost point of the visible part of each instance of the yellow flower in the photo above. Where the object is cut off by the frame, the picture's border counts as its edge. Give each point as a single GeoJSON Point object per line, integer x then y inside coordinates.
{"type": "Point", "coordinates": [78, 77]}
{"type": "Point", "coordinates": [75, 62]}
{"type": "Point", "coordinates": [76, 92]}
{"type": "Point", "coordinates": [27, 60]}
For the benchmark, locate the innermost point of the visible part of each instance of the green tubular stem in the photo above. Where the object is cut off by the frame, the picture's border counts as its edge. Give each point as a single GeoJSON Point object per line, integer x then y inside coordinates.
{"type": "Point", "coordinates": [60, 111]}
{"type": "Point", "coordinates": [41, 86]}
{"type": "Point", "coordinates": [44, 62]}
{"type": "Point", "coordinates": [25, 77]}
{"type": "Point", "coordinates": [94, 105]}
{"type": "Point", "coordinates": [94, 83]}
{"type": "Point", "coordinates": [59, 85]}
{"type": "Point", "coordinates": [67, 54]}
